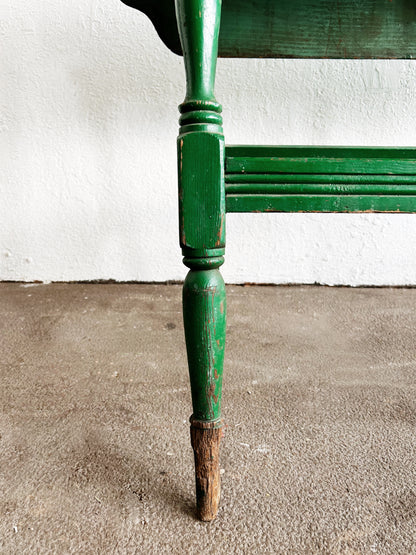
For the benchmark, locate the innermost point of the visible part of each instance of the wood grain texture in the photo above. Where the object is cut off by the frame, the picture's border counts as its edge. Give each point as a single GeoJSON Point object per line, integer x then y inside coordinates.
{"type": "Point", "coordinates": [302, 28]}
{"type": "Point", "coordinates": [205, 440]}
{"type": "Point", "coordinates": [201, 191]}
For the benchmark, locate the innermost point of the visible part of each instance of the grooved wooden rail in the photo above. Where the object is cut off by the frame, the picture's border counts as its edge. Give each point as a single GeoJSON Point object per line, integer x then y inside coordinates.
{"type": "Point", "coordinates": [214, 179]}
{"type": "Point", "coordinates": [320, 179]}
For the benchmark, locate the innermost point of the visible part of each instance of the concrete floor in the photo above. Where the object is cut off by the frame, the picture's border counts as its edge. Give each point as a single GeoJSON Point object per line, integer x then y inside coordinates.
{"type": "Point", "coordinates": [319, 397]}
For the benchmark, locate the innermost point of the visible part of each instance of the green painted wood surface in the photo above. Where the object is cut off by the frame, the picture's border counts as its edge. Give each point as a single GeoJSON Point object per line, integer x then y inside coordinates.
{"type": "Point", "coordinates": [201, 155]}
{"type": "Point", "coordinates": [204, 316]}
{"type": "Point", "coordinates": [323, 160]}
{"type": "Point", "coordinates": [321, 189]}
{"type": "Point", "coordinates": [199, 23]}
{"type": "Point", "coordinates": [320, 179]}
{"type": "Point", "coordinates": [321, 203]}
{"type": "Point", "coordinates": [257, 181]}
{"type": "Point", "coordinates": [319, 29]}
{"type": "Point", "coordinates": [200, 142]}
{"type": "Point", "coordinates": [201, 191]}
{"type": "Point", "coordinates": [302, 28]}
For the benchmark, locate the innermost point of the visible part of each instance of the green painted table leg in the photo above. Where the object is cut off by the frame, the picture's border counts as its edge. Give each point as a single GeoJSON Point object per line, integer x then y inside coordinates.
{"type": "Point", "coordinates": [201, 155]}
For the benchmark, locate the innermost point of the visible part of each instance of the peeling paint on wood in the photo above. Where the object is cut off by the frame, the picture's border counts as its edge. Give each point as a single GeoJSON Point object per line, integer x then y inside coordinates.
{"type": "Point", "coordinates": [201, 154]}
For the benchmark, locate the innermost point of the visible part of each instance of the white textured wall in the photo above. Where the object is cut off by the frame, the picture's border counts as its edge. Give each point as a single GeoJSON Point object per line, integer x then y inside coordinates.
{"type": "Point", "coordinates": [88, 120]}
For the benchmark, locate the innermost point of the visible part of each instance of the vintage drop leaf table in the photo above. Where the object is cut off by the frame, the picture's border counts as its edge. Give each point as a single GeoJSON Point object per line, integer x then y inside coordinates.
{"type": "Point", "coordinates": [215, 179]}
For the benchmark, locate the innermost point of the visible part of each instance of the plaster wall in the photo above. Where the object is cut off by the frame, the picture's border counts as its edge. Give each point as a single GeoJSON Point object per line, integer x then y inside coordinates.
{"type": "Point", "coordinates": [88, 122]}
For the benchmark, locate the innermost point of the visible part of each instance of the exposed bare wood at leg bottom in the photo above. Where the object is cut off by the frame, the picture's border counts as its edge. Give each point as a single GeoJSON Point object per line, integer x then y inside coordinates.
{"type": "Point", "coordinates": [205, 439]}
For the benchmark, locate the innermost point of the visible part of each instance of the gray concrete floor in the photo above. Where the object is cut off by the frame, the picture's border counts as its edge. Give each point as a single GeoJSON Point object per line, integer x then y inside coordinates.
{"type": "Point", "coordinates": [319, 398]}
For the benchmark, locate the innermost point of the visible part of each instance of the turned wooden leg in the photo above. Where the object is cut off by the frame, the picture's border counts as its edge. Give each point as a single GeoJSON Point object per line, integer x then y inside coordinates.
{"type": "Point", "coordinates": [201, 155]}
{"type": "Point", "coordinates": [204, 311]}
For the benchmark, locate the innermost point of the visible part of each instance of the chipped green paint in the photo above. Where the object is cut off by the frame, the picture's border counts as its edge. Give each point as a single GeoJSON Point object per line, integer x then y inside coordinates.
{"type": "Point", "coordinates": [204, 315]}
{"type": "Point", "coordinates": [201, 155]}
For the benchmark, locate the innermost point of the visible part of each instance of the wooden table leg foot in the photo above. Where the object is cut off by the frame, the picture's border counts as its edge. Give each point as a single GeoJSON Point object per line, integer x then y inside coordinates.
{"type": "Point", "coordinates": [205, 439]}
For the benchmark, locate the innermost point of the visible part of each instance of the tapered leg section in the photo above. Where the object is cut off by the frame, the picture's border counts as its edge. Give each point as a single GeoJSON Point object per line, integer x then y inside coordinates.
{"type": "Point", "coordinates": [204, 309]}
